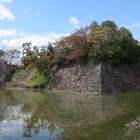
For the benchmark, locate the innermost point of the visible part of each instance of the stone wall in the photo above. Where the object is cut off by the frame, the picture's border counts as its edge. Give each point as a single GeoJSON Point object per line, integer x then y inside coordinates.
{"type": "Point", "coordinates": [5, 71]}
{"type": "Point", "coordinates": [97, 78]}
{"type": "Point", "coordinates": [116, 78]}
{"type": "Point", "coordinates": [77, 77]}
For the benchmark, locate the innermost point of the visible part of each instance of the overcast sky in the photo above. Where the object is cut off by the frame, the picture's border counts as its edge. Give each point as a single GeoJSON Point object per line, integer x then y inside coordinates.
{"type": "Point", "coordinates": [41, 21]}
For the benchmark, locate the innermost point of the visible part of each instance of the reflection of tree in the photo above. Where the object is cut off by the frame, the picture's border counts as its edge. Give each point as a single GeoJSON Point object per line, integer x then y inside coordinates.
{"type": "Point", "coordinates": [64, 114]}
{"type": "Point", "coordinates": [13, 99]}
{"type": "Point", "coordinates": [56, 112]}
{"type": "Point", "coordinates": [6, 101]}
{"type": "Point", "coordinates": [42, 117]}
{"type": "Point", "coordinates": [82, 117]}
{"type": "Point", "coordinates": [69, 116]}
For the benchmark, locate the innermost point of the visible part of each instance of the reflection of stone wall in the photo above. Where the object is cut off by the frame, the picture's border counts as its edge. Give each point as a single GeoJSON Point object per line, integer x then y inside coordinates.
{"type": "Point", "coordinates": [96, 78]}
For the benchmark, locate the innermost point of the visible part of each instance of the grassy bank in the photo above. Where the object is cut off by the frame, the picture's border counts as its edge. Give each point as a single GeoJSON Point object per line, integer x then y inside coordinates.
{"type": "Point", "coordinates": [28, 78]}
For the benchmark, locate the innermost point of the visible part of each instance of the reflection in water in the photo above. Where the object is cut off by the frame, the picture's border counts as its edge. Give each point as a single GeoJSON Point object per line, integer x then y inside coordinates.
{"type": "Point", "coordinates": [40, 115]}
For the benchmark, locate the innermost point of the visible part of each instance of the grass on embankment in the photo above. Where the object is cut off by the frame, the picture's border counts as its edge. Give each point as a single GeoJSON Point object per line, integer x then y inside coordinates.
{"type": "Point", "coordinates": [36, 79]}
{"type": "Point", "coordinates": [29, 78]}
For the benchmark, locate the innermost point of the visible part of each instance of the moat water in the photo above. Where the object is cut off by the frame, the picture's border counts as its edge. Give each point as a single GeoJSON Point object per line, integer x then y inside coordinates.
{"type": "Point", "coordinates": [38, 115]}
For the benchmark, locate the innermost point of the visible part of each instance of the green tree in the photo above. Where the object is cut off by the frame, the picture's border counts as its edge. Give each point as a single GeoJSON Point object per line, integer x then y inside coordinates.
{"type": "Point", "coordinates": [109, 24]}
{"type": "Point", "coordinates": [113, 45]}
{"type": "Point", "coordinates": [93, 25]}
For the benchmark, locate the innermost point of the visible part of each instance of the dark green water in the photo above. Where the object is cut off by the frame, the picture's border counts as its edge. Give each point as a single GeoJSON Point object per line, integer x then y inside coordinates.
{"type": "Point", "coordinates": [37, 115]}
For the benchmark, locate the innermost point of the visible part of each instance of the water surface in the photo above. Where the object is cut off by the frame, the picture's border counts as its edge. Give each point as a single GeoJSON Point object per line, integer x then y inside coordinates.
{"type": "Point", "coordinates": [38, 115]}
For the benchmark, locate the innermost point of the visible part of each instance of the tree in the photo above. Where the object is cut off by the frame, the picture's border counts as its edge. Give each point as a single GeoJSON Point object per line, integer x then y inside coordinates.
{"type": "Point", "coordinates": [30, 53]}
{"type": "Point", "coordinates": [12, 56]}
{"type": "Point", "coordinates": [93, 25]}
{"type": "Point", "coordinates": [105, 42]}
{"type": "Point", "coordinates": [125, 35]}
{"type": "Point", "coordinates": [111, 44]}
{"type": "Point", "coordinates": [109, 24]}
{"type": "Point", "coordinates": [98, 36]}
{"type": "Point", "coordinates": [41, 58]}
{"type": "Point", "coordinates": [2, 52]}
{"type": "Point", "coordinates": [50, 48]}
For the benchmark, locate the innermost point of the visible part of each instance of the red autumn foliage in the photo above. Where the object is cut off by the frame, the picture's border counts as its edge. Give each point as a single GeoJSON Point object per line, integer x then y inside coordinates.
{"type": "Point", "coordinates": [73, 55]}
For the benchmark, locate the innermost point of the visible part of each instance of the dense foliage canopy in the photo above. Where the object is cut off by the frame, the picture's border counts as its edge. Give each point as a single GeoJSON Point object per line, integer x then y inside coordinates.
{"type": "Point", "coordinates": [104, 42]}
